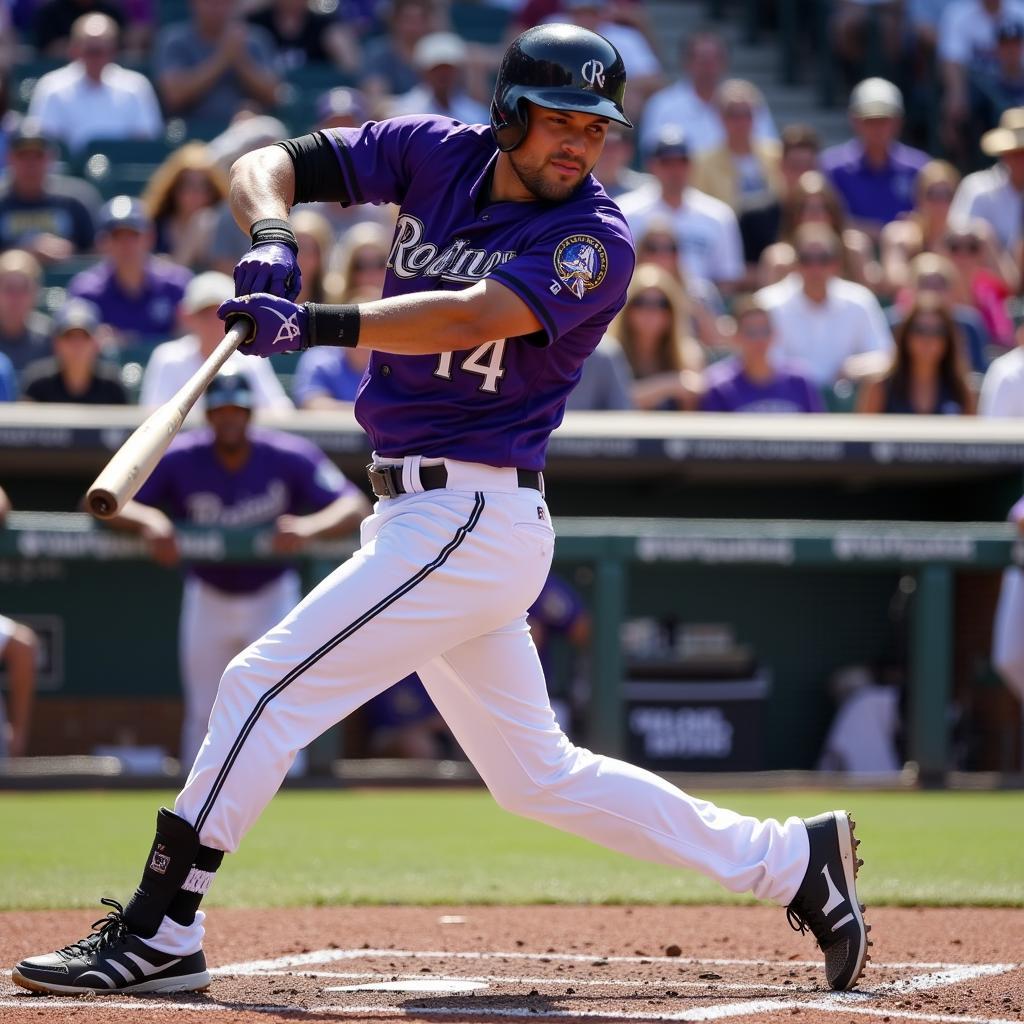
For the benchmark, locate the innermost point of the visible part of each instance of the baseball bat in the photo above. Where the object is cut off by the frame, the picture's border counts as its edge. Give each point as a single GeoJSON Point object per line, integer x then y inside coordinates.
{"type": "Point", "coordinates": [132, 463]}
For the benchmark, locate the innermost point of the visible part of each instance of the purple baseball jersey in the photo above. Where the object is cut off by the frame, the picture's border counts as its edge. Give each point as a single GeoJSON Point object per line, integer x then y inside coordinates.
{"type": "Point", "coordinates": [283, 475]}
{"type": "Point", "coordinates": [152, 314]}
{"type": "Point", "coordinates": [568, 261]}
{"type": "Point", "coordinates": [729, 389]}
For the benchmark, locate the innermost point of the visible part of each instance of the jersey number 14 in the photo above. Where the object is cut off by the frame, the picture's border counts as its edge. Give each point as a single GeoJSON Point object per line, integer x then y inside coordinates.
{"type": "Point", "coordinates": [484, 360]}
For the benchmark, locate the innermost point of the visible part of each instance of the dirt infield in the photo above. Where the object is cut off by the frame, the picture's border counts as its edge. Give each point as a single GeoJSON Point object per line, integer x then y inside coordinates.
{"type": "Point", "coordinates": [555, 963]}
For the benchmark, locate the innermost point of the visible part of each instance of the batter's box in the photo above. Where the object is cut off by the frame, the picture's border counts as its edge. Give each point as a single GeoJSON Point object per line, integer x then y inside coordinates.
{"type": "Point", "coordinates": [395, 982]}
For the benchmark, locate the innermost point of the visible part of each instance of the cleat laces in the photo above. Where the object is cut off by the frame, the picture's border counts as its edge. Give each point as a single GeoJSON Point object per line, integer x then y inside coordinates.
{"type": "Point", "coordinates": [108, 931]}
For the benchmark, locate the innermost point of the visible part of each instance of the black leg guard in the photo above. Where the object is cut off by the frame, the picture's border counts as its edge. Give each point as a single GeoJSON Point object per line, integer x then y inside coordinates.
{"type": "Point", "coordinates": [185, 904]}
{"type": "Point", "coordinates": [170, 861]}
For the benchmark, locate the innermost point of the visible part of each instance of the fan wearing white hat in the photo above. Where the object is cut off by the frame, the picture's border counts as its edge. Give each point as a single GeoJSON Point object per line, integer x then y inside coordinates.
{"type": "Point", "coordinates": [439, 59]}
{"type": "Point", "coordinates": [995, 194]}
{"type": "Point", "coordinates": [173, 362]}
{"type": "Point", "coordinates": [874, 172]}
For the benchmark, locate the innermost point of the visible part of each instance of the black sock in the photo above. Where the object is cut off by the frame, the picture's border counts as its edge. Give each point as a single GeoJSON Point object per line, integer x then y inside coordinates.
{"type": "Point", "coordinates": [187, 899]}
{"type": "Point", "coordinates": [170, 861]}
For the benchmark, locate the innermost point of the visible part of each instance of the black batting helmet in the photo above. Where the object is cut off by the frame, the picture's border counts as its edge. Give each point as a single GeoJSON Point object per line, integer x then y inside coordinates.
{"type": "Point", "coordinates": [563, 67]}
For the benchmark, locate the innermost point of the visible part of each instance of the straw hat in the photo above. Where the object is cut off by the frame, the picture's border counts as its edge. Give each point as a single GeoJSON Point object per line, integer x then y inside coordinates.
{"type": "Point", "coordinates": [1009, 136]}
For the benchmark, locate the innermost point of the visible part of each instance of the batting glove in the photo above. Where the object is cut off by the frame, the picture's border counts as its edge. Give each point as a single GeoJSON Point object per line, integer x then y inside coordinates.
{"type": "Point", "coordinates": [275, 324]}
{"type": "Point", "coordinates": [272, 264]}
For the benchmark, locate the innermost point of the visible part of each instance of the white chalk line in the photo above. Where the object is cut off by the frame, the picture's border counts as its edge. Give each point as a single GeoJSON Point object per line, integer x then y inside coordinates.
{"type": "Point", "coordinates": [561, 981]}
{"type": "Point", "coordinates": [325, 956]}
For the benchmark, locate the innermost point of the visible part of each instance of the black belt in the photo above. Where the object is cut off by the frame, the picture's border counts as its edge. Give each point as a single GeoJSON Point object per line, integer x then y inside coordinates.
{"type": "Point", "coordinates": [386, 481]}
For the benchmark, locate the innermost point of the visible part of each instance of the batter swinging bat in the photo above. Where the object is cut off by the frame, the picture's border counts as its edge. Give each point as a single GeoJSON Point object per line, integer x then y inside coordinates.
{"type": "Point", "coordinates": [132, 463]}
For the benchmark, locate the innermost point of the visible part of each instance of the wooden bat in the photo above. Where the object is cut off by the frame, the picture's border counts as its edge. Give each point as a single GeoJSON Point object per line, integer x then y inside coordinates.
{"type": "Point", "coordinates": [132, 463]}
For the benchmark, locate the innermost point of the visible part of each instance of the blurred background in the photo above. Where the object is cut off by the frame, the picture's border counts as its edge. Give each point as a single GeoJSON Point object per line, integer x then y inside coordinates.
{"type": "Point", "coordinates": [787, 485]}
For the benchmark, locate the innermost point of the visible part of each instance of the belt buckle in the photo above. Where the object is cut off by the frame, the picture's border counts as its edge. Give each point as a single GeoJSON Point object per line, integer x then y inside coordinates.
{"type": "Point", "coordinates": [382, 480]}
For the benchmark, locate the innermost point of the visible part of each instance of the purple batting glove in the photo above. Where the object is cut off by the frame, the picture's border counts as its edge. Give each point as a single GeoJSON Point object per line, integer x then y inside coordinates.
{"type": "Point", "coordinates": [275, 324]}
{"type": "Point", "coordinates": [269, 267]}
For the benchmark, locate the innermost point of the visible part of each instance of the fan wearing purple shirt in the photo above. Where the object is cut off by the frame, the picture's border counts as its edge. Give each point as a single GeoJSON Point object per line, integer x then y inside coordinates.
{"type": "Point", "coordinates": [874, 172]}
{"type": "Point", "coordinates": [748, 381]}
{"type": "Point", "coordinates": [508, 263]}
{"type": "Point", "coordinates": [233, 475]}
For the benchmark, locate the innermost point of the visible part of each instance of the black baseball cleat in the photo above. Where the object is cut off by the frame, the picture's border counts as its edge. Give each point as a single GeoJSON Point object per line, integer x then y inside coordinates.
{"type": "Point", "coordinates": [827, 903]}
{"type": "Point", "coordinates": [112, 960]}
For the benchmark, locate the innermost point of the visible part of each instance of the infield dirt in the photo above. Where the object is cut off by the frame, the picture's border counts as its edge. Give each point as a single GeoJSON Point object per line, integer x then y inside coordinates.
{"type": "Point", "coordinates": [743, 964]}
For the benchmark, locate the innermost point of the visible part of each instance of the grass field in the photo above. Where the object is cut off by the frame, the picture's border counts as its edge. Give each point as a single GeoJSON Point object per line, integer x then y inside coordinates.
{"type": "Point", "coordinates": [344, 847]}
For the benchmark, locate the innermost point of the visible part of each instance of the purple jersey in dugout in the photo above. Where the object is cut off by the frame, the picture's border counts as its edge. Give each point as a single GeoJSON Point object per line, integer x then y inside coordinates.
{"type": "Point", "coordinates": [283, 475]}
{"type": "Point", "coordinates": [568, 261]}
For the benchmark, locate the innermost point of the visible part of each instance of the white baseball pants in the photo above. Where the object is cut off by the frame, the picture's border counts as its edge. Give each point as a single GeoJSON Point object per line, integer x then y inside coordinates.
{"type": "Point", "coordinates": [214, 626]}
{"type": "Point", "coordinates": [440, 586]}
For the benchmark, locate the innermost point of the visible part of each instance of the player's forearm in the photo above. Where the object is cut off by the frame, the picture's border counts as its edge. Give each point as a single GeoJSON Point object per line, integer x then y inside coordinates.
{"type": "Point", "coordinates": [262, 186]}
{"type": "Point", "coordinates": [339, 519]}
{"type": "Point", "coordinates": [136, 517]}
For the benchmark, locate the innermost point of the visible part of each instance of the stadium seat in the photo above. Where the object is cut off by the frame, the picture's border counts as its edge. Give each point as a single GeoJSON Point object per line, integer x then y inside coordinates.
{"type": "Point", "coordinates": [122, 152]}
{"type": "Point", "coordinates": [24, 76]}
{"type": "Point", "coordinates": [114, 179]}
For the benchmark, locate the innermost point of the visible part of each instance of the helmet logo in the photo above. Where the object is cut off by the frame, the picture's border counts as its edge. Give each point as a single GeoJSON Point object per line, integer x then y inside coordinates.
{"type": "Point", "coordinates": [593, 73]}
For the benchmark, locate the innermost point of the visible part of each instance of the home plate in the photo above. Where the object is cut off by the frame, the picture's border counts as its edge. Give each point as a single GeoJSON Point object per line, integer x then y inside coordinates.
{"type": "Point", "coordinates": [439, 986]}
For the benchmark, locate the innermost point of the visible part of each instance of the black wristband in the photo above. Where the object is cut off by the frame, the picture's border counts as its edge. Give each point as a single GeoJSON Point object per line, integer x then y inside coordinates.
{"type": "Point", "coordinates": [333, 325]}
{"type": "Point", "coordinates": [271, 229]}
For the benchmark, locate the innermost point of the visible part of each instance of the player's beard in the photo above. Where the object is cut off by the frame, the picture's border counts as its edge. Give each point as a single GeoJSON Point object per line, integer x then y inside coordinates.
{"type": "Point", "coordinates": [537, 184]}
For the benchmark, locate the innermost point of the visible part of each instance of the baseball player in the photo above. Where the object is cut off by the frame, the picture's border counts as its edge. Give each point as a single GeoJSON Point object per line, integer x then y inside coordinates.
{"type": "Point", "coordinates": [507, 264]}
{"type": "Point", "coordinates": [233, 475]}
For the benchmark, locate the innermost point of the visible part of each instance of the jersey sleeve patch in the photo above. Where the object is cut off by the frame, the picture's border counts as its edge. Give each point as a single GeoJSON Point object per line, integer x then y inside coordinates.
{"type": "Point", "coordinates": [581, 263]}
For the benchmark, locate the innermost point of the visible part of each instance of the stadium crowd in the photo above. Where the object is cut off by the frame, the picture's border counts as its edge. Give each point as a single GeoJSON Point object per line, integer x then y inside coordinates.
{"type": "Point", "coordinates": [774, 274]}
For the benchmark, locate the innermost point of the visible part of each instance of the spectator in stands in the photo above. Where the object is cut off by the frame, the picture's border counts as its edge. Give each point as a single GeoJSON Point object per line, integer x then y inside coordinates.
{"type": "Point", "coordinates": [24, 331]}
{"type": "Point", "coordinates": [438, 59]}
{"type": "Point", "coordinates": [304, 34]}
{"type": "Point", "coordinates": [706, 229]}
{"type": "Point", "coordinates": [750, 380]}
{"type": "Point", "coordinates": [75, 372]}
{"type": "Point", "coordinates": [967, 43]}
{"type": "Point", "coordinates": [137, 293]}
{"type": "Point", "coordinates": [874, 173]}
{"type": "Point", "coordinates": [315, 240]}
{"type": "Point", "coordinates": [209, 67]}
{"type": "Point", "coordinates": [743, 171]}
{"type": "Point", "coordinates": [54, 20]}
{"type": "Point", "coordinates": [37, 211]}
{"type": "Point", "coordinates": [761, 222]}
{"type": "Point", "coordinates": [181, 198]}
{"type": "Point", "coordinates": [928, 376]}
{"type": "Point", "coordinates": [93, 97]}
{"type": "Point", "coordinates": [388, 68]}
{"type": "Point", "coordinates": [689, 103]}
{"type": "Point", "coordinates": [403, 722]}
{"type": "Point", "coordinates": [856, 23]}
{"type": "Point", "coordinates": [363, 260]}
{"type": "Point", "coordinates": [652, 329]}
{"type": "Point", "coordinates": [824, 323]}
{"type": "Point", "coordinates": [19, 650]}
{"type": "Point", "coordinates": [997, 88]}
{"type": "Point", "coordinates": [933, 278]}
{"type": "Point", "coordinates": [994, 195]}
{"type": "Point", "coordinates": [658, 245]}
{"type": "Point", "coordinates": [924, 228]}
{"type": "Point", "coordinates": [985, 277]}
{"type": "Point", "coordinates": [641, 62]}
{"type": "Point", "coordinates": [173, 362]}
{"type": "Point", "coordinates": [814, 201]}
{"type": "Point", "coordinates": [1002, 390]}
{"type": "Point", "coordinates": [606, 382]}
{"type": "Point", "coordinates": [614, 168]}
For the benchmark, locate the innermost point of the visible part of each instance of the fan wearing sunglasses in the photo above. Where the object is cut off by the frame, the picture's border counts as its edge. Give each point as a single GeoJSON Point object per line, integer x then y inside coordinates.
{"type": "Point", "coordinates": [928, 376]}
{"type": "Point", "coordinates": [986, 277]}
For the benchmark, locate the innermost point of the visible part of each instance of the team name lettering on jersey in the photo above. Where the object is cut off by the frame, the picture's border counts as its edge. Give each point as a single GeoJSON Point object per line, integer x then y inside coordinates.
{"type": "Point", "coordinates": [208, 509]}
{"type": "Point", "coordinates": [412, 257]}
